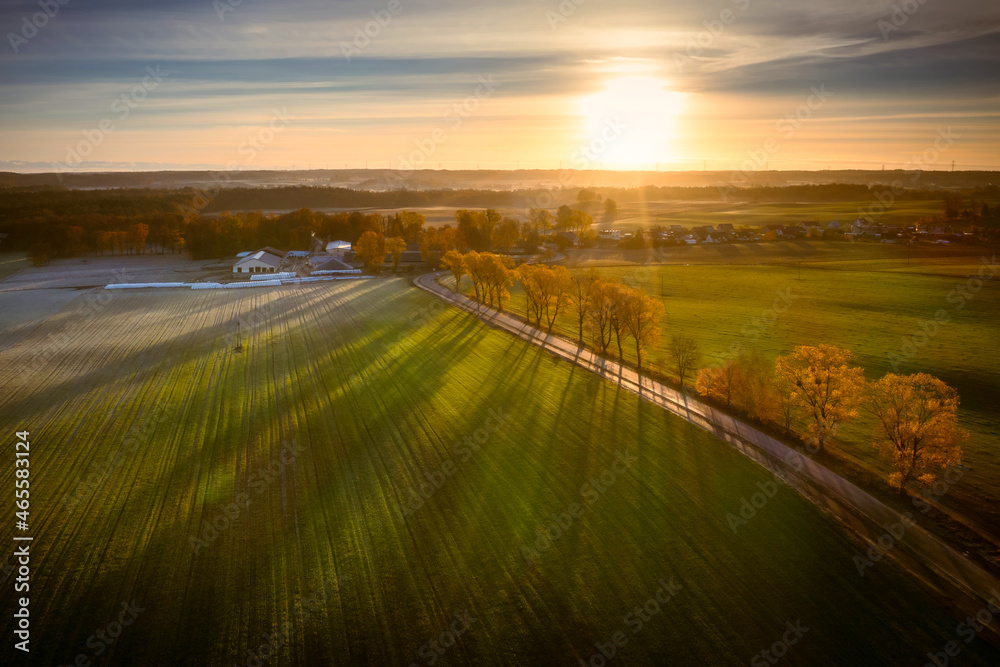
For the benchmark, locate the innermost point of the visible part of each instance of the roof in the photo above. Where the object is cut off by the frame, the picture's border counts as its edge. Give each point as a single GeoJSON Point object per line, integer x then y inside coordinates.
{"type": "Point", "coordinates": [274, 251]}
{"type": "Point", "coordinates": [297, 253]}
{"type": "Point", "coordinates": [333, 264]}
{"type": "Point", "coordinates": [241, 255]}
{"type": "Point", "coordinates": [407, 257]}
{"type": "Point", "coordinates": [338, 245]}
{"type": "Point", "coordinates": [263, 257]}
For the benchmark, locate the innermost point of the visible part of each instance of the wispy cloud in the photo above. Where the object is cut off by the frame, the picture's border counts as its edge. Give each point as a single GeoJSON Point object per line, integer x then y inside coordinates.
{"type": "Point", "coordinates": [228, 71]}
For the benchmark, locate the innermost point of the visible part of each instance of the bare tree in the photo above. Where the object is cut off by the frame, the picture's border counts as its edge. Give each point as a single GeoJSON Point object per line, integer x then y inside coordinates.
{"type": "Point", "coordinates": [686, 356]}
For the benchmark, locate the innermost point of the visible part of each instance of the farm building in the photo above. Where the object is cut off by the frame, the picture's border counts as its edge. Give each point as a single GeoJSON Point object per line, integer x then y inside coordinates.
{"type": "Point", "coordinates": [335, 265]}
{"type": "Point", "coordinates": [280, 254]}
{"type": "Point", "coordinates": [261, 261]}
{"type": "Point", "coordinates": [338, 248]}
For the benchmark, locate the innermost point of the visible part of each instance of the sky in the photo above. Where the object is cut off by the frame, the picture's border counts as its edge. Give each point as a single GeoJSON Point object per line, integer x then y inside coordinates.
{"type": "Point", "coordinates": [628, 84]}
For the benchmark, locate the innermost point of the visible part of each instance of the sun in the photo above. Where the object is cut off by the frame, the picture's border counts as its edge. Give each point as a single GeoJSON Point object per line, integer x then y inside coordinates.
{"type": "Point", "coordinates": [631, 124]}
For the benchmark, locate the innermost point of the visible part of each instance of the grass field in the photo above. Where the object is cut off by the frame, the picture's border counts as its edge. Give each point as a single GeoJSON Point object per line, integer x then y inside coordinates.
{"type": "Point", "coordinates": [781, 252]}
{"type": "Point", "coordinates": [691, 214]}
{"type": "Point", "coordinates": [866, 303]}
{"type": "Point", "coordinates": [146, 426]}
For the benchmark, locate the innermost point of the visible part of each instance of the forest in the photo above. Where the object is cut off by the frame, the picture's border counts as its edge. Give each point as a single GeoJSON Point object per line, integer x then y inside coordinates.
{"type": "Point", "coordinates": [59, 222]}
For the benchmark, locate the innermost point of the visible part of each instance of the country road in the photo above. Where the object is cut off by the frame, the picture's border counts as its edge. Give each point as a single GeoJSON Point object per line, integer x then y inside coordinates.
{"type": "Point", "coordinates": [947, 573]}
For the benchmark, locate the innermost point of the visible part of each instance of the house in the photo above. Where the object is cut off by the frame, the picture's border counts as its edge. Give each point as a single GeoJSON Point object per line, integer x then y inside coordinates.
{"type": "Point", "coordinates": [338, 248]}
{"type": "Point", "coordinates": [300, 254]}
{"type": "Point", "coordinates": [834, 225]}
{"type": "Point", "coordinates": [777, 230]}
{"type": "Point", "coordinates": [725, 228]}
{"type": "Point", "coordinates": [258, 262]}
{"type": "Point", "coordinates": [610, 234]}
{"type": "Point", "coordinates": [691, 239]}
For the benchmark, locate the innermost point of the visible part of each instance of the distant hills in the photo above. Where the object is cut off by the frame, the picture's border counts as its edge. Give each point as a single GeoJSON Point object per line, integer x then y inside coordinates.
{"type": "Point", "coordinates": [510, 180]}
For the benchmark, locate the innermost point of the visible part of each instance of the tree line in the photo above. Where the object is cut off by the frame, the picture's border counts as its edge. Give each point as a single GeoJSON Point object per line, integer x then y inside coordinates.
{"type": "Point", "coordinates": [111, 197]}
{"type": "Point", "coordinates": [609, 310]}
{"type": "Point", "coordinates": [915, 415]}
{"type": "Point", "coordinates": [68, 234]}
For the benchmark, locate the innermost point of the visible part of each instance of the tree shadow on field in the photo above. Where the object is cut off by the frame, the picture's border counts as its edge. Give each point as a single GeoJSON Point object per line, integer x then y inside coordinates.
{"type": "Point", "coordinates": [225, 581]}
{"type": "Point", "coordinates": [141, 364]}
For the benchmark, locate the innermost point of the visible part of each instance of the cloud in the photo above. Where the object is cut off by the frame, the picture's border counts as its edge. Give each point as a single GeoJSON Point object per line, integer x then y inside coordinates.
{"type": "Point", "coordinates": [224, 72]}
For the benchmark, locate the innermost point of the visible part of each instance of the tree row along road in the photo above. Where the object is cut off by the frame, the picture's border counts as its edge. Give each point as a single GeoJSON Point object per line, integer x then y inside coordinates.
{"type": "Point", "coordinates": [940, 567]}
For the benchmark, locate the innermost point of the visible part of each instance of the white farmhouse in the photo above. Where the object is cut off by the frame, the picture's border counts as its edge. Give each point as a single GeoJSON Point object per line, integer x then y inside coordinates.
{"type": "Point", "coordinates": [259, 262]}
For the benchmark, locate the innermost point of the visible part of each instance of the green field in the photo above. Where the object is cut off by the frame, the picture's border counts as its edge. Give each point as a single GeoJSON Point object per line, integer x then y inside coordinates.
{"type": "Point", "coordinates": [880, 256]}
{"type": "Point", "coordinates": [379, 388]}
{"type": "Point", "coordinates": [692, 214]}
{"type": "Point", "coordinates": [866, 298]}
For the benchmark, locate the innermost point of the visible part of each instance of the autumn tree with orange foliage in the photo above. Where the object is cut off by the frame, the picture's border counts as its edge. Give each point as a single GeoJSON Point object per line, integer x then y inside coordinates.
{"type": "Point", "coordinates": [370, 249]}
{"type": "Point", "coordinates": [498, 276]}
{"type": "Point", "coordinates": [824, 386]}
{"type": "Point", "coordinates": [616, 293]}
{"type": "Point", "coordinates": [582, 295]}
{"type": "Point", "coordinates": [491, 275]}
{"type": "Point", "coordinates": [455, 262]}
{"type": "Point", "coordinates": [722, 383]}
{"type": "Point", "coordinates": [759, 393]}
{"type": "Point", "coordinates": [137, 237]}
{"type": "Point", "coordinates": [601, 310]}
{"type": "Point", "coordinates": [435, 242]}
{"type": "Point", "coordinates": [555, 284]}
{"type": "Point", "coordinates": [916, 426]}
{"type": "Point", "coordinates": [641, 315]}
{"type": "Point", "coordinates": [474, 268]}
{"type": "Point", "coordinates": [505, 235]}
{"type": "Point", "coordinates": [528, 276]}
{"type": "Point", "coordinates": [395, 247]}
